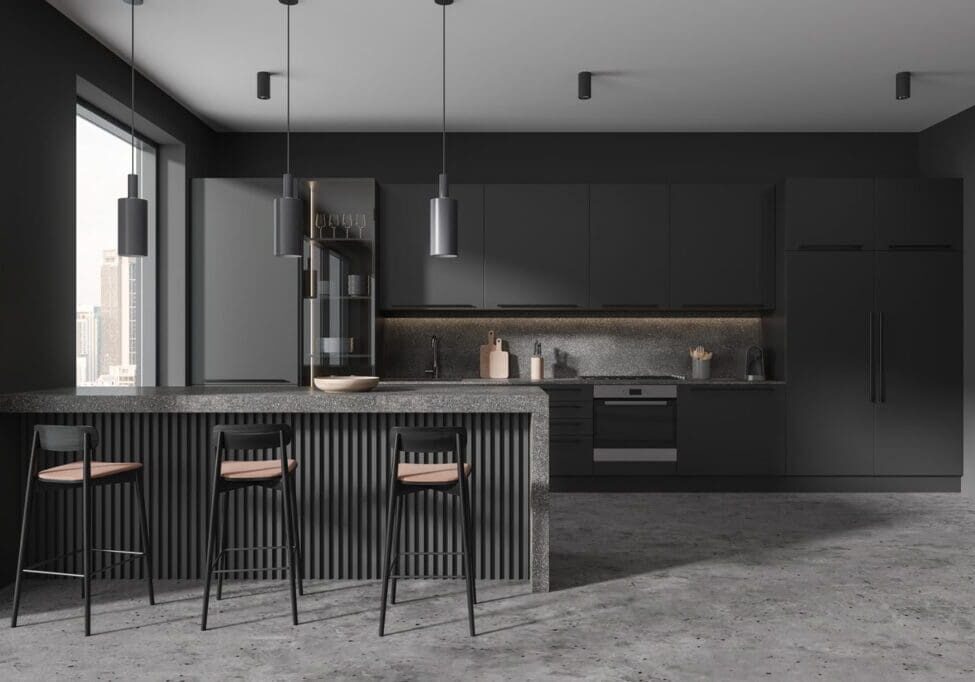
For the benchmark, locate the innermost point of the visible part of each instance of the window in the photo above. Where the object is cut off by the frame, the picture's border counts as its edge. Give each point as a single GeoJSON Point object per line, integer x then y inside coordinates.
{"type": "Point", "coordinates": [115, 322]}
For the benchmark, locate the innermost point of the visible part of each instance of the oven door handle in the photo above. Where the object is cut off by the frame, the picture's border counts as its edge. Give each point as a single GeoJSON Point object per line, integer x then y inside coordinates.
{"type": "Point", "coordinates": [635, 403]}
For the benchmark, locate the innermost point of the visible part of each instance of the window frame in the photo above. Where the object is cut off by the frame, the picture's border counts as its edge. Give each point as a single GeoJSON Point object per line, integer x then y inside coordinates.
{"type": "Point", "coordinates": [147, 167]}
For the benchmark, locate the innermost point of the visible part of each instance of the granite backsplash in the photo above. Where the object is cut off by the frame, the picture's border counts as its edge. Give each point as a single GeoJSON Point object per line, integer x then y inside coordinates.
{"type": "Point", "coordinates": [571, 346]}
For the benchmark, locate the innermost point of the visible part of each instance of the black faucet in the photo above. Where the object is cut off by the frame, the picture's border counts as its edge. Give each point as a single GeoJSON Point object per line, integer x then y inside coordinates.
{"type": "Point", "coordinates": [434, 372]}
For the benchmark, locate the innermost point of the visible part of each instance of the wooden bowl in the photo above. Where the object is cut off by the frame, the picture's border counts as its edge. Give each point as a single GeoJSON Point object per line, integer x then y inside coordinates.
{"type": "Point", "coordinates": [350, 384]}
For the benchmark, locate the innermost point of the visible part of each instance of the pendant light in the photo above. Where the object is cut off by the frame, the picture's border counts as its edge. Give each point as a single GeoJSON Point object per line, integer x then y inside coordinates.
{"type": "Point", "coordinates": [133, 212]}
{"type": "Point", "coordinates": [443, 209]}
{"type": "Point", "coordinates": [288, 230]}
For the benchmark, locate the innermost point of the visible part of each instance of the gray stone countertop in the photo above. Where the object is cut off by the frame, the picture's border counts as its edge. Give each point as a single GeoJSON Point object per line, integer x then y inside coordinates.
{"type": "Point", "coordinates": [388, 397]}
{"type": "Point", "coordinates": [519, 381]}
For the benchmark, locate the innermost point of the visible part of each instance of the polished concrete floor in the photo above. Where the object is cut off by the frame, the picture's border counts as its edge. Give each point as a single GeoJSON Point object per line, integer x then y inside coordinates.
{"type": "Point", "coordinates": [655, 586]}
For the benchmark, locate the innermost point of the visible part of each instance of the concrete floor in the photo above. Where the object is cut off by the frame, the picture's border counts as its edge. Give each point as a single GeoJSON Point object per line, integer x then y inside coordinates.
{"type": "Point", "coordinates": [656, 586]}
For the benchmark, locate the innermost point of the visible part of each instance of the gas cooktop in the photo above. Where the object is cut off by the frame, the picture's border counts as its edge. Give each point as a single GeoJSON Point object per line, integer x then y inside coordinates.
{"type": "Point", "coordinates": [632, 377]}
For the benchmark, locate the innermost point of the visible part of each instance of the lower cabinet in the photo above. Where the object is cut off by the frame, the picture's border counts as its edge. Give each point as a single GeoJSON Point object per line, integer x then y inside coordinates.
{"type": "Point", "coordinates": [570, 430]}
{"type": "Point", "coordinates": [731, 430]}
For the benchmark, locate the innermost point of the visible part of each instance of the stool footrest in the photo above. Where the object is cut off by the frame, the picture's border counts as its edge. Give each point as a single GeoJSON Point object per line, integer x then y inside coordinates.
{"type": "Point", "coordinates": [60, 573]}
{"type": "Point", "coordinates": [250, 570]}
{"type": "Point", "coordinates": [404, 576]}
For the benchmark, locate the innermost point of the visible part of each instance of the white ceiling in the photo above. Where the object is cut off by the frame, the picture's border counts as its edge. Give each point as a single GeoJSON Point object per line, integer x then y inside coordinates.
{"type": "Point", "coordinates": [660, 65]}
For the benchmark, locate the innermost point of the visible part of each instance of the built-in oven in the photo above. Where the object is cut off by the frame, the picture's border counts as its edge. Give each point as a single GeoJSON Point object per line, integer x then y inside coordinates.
{"type": "Point", "coordinates": [635, 429]}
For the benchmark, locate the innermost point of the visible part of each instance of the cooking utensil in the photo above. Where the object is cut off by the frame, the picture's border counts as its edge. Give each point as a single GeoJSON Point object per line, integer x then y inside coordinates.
{"type": "Point", "coordinates": [485, 356]}
{"type": "Point", "coordinates": [498, 367]}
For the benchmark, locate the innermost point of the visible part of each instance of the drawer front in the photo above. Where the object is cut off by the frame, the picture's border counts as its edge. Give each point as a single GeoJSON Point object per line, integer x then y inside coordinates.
{"type": "Point", "coordinates": [570, 427]}
{"type": "Point", "coordinates": [577, 410]}
{"type": "Point", "coordinates": [570, 455]}
{"type": "Point", "coordinates": [570, 393]}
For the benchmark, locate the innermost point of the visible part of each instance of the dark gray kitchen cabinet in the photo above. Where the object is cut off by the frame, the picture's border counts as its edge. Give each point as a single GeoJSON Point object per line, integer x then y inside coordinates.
{"type": "Point", "coordinates": [829, 213]}
{"type": "Point", "coordinates": [570, 429]}
{"type": "Point", "coordinates": [628, 246]}
{"type": "Point", "coordinates": [409, 276]}
{"type": "Point", "coordinates": [919, 367]}
{"type": "Point", "coordinates": [731, 430]}
{"type": "Point", "coordinates": [536, 246]}
{"type": "Point", "coordinates": [247, 328]}
{"type": "Point", "coordinates": [721, 246]}
{"type": "Point", "coordinates": [918, 213]}
{"type": "Point", "coordinates": [829, 338]}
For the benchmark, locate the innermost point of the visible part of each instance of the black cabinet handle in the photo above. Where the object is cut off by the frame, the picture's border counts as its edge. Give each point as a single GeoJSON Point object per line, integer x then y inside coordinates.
{"type": "Point", "coordinates": [736, 387]}
{"type": "Point", "coordinates": [420, 306]}
{"type": "Point", "coordinates": [903, 246]}
{"type": "Point", "coordinates": [722, 306]}
{"type": "Point", "coordinates": [537, 305]}
{"type": "Point", "coordinates": [831, 247]}
{"type": "Point", "coordinates": [630, 305]}
{"type": "Point", "coordinates": [564, 439]}
{"type": "Point", "coordinates": [883, 369]}
{"type": "Point", "coordinates": [871, 380]}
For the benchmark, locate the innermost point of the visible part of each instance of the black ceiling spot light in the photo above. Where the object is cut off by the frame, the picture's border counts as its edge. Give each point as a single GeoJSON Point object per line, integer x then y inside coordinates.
{"type": "Point", "coordinates": [133, 212]}
{"type": "Point", "coordinates": [263, 85]}
{"type": "Point", "coordinates": [903, 81]}
{"type": "Point", "coordinates": [443, 209]}
{"type": "Point", "coordinates": [585, 84]}
{"type": "Point", "coordinates": [288, 210]}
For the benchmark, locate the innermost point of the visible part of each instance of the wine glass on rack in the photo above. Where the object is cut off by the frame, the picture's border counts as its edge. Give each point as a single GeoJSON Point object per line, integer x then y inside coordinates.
{"type": "Point", "coordinates": [320, 224]}
{"type": "Point", "coordinates": [360, 221]}
{"type": "Point", "coordinates": [347, 223]}
{"type": "Point", "coordinates": [333, 223]}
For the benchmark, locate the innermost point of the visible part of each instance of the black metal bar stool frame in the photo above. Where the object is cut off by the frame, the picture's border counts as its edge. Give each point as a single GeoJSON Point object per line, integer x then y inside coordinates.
{"type": "Point", "coordinates": [423, 441]}
{"type": "Point", "coordinates": [247, 438]}
{"type": "Point", "coordinates": [83, 439]}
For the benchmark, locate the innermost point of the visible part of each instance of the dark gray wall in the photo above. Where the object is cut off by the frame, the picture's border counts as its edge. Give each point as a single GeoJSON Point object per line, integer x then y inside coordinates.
{"type": "Point", "coordinates": [948, 150]}
{"type": "Point", "coordinates": [556, 157]}
{"type": "Point", "coordinates": [44, 53]}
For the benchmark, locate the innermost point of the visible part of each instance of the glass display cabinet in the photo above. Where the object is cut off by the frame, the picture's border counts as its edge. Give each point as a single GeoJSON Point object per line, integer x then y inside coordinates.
{"type": "Point", "coordinates": [339, 278]}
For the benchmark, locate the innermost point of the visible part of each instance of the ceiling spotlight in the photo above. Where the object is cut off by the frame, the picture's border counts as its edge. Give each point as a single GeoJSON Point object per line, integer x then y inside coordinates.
{"type": "Point", "coordinates": [903, 81]}
{"type": "Point", "coordinates": [263, 85]}
{"type": "Point", "coordinates": [585, 84]}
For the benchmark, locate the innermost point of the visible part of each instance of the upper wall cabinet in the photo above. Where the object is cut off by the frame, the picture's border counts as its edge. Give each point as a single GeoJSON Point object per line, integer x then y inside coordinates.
{"type": "Point", "coordinates": [721, 239]}
{"type": "Point", "coordinates": [410, 277]}
{"type": "Point", "coordinates": [628, 246]}
{"type": "Point", "coordinates": [919, 213]}
{"type": "Point", "coordinates": [829, 214]}
{"type": "Point", "coordinates": [536, 246]}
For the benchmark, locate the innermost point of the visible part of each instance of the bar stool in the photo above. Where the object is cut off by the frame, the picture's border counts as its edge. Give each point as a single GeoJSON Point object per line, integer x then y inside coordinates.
{"type": "Point", "coordinates": [407, 478]}
{"type": "Point", "coordinates": [86, 474]}
{"type": "Point", "coordinates": [231, 475]}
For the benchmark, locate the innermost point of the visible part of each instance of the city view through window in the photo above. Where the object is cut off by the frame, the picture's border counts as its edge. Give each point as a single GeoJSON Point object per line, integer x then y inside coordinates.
{"type": "Point", "coordinates": [115, 313]}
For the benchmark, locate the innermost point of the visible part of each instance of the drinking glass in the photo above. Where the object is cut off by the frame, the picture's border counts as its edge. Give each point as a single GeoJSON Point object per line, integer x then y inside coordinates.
{"type": "Point", "coordinates": [320, 224]}
{"type": "Point", "coordinates": [333, 223]}
{"type": "Point", "coordinates": [347, 223]}
{"type": "Point", "coordinates": [360, 221]}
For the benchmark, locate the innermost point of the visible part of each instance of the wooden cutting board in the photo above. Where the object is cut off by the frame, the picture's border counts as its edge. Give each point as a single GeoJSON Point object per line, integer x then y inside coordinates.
{"type": "Point", "coordinates": [498, 368]}
{"type": "Point", "coordinates": [486, 356]}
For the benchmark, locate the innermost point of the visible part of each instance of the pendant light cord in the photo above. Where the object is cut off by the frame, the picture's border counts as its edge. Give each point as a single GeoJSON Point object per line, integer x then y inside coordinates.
{"type": "Point", "coordinates": [288, 115]}
{"type": "Point", "coordinates": [132, 86]}
{"type": "Point", "coordinates": [443, 53]}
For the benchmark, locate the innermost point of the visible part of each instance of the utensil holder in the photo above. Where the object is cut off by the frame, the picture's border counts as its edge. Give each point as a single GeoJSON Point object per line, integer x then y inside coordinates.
{"type": "Point", "coordinates": [700, 368]}
{"type": "Point", "coordinates": [538, 367]}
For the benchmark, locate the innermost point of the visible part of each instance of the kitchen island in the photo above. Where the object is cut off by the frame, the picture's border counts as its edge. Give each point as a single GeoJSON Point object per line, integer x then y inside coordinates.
{"type": "Point", "coordinates": [342, 446]}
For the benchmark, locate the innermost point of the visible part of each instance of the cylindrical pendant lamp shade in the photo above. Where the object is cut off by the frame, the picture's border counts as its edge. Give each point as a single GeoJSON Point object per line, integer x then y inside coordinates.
{"type": "Point", "coordinates": [288, 222]}
{"type": "Point", "coordinates": [133, 222]}
{"type": "Point", "coordinates": [443, 223]}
